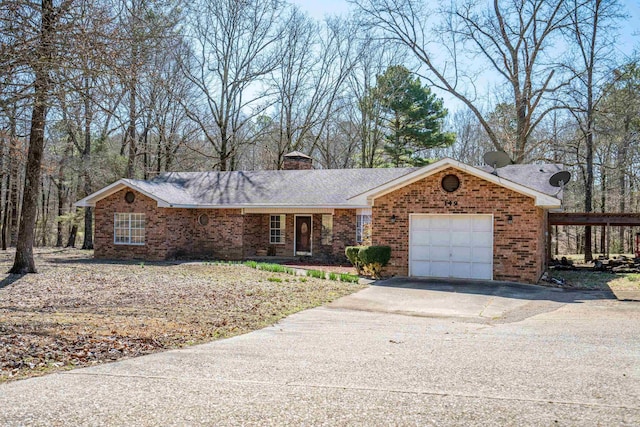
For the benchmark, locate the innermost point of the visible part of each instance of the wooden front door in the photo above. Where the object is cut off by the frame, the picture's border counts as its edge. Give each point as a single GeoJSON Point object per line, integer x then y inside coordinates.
{"type": "Point", "coordinates": [303, 235]}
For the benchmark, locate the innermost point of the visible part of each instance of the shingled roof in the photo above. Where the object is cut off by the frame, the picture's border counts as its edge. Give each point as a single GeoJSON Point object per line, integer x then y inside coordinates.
{"type": "Point", "coordinates": [329, 188]}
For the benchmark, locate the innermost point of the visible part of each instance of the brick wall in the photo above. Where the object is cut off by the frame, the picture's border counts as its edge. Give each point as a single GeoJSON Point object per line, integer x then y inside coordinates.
{"type": "Point", "coordinates": [518, 248]}
{"type": "Point", "coordinates": [256, 235]}
{"type": "Point", "coordinates": [178, 233]}
{"type": "Point", "coordinates": [169, 232]}
{"type": "Point", "coordinates": [155, 247]}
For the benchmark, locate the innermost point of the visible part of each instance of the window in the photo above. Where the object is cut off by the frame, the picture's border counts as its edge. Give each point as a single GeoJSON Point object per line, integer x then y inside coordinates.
{"type": "Point", "coordinates": [327, 229]}
{"type": "Point", "coordinates": [363, 228]}
{"type": "Point", "coordinates": [128, 229]}
{"type": "Point", "coordinates": [276, 229]}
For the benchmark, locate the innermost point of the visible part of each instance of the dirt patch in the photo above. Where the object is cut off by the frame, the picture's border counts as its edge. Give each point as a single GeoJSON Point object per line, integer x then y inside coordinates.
{"type": "Point", "coordinates": [78, 311]}
{"type": "Point", "coordinates": [594, 280]}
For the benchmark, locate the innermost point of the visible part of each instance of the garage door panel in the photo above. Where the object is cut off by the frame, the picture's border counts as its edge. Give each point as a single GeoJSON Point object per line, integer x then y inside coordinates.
{"type": "Point", "coordinates": [483, 224]}
{"type": "Point", "coordinates": [483, 255]}
{"type": "Point", "coordinates": [420, 238]}
{"type": "Point", "coordinates": [460, 224]}
{"type": "Point", "coordinates": [440, 253]}
{"type": "Point", "coordinates": [462, 270]}
{"type": "Point", "coordinates": [459, 238]}
{"type": "Point", "coordinates": [482, 271]}
{"type": "Point", "coordinates": [440, 238]}
{"type": "Point", "coordinates": [457, 245]}
{"type": "Point", "coordinates": [461, 254]}
{"type": "Point", "coordinates": [482, 239]}
{"type": "Point", "coordinates": [439, 222]}
{"type": "Point", "coordinates": [420, 253]}
{"type": "Point", "coordinates": [421, 269]}
{"type": "Point", "coordinates": [418, 224]}
{"type": "Point", "coordinates": [439, 269]}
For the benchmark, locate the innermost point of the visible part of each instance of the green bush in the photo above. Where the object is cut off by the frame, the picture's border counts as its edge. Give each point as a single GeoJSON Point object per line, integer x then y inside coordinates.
{"type": "Point", "coordinates": [352, 255]}
{"type": "Point", "coordinates": [333, 276]}
{"type": "Point", "coordinates": [374, 258]}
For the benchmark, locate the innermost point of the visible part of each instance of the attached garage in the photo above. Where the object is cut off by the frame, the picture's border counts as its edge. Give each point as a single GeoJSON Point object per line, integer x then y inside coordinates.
{"type": "Point", "coordinates": [456, 245]}
{"type": "Point", "coordinates": [454, 220]}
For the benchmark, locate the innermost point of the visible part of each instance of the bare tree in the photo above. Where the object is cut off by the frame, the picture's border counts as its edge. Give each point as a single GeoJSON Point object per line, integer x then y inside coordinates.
{"type": "Point", "coordinates": [232, 52]}
{"type": "Point", "coordinates": [41, 64]}
{"type": "Point", "coordinates": [591, 31]}
{"type": "Point", "coordinates": [508, 39]}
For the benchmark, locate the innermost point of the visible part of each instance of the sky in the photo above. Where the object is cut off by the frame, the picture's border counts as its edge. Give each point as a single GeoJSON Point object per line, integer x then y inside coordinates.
{"type": "Point", "coordinates": [629, 33]}
{"type": "Point", "coordinates": [628, 38]}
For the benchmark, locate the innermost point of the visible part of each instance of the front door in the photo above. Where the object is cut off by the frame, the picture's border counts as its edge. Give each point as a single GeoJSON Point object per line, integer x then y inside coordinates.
{"type": "Point", "coordinates": [303, 235]}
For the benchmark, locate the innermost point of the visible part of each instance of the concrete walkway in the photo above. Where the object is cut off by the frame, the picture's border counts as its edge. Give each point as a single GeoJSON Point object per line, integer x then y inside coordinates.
{"type": "Point", "coordinates": [467, 357]}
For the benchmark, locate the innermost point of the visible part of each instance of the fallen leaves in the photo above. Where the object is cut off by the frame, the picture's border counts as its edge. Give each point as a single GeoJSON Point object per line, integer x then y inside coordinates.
{"type": "Point", "coordinates": [80, 312]}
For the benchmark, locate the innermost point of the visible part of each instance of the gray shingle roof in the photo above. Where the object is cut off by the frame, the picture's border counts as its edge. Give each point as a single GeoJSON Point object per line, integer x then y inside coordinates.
{"type": "Point", "coordinates": [316, 187]}
{"type": "Point", "coordinates": [533, 176]}
{"type": "Point", "coordinates": [301, 188]}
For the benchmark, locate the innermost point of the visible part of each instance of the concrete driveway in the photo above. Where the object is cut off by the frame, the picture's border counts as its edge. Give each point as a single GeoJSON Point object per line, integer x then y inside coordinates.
{"type": "Point", "coordinates": [400, 353]}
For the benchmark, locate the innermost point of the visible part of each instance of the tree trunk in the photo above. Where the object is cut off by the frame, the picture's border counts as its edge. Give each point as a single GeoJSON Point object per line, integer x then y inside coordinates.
{"type": "Point", "coordinates": [87, 243]}
{"type": "Point", "coordinates": [23, 262]}
{"type": "Point", "coordinates": [71, 243]}
{"type": "Point", "coordinates": [14, 178]}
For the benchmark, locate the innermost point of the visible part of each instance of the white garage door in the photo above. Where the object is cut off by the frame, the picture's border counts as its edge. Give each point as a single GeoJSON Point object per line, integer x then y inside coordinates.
{"type": "Point", "coordinates": [451, 246]}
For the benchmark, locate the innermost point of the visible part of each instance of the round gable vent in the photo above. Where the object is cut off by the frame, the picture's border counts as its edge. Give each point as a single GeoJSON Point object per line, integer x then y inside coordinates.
{"type": "Point", "coordinates": [129, 197]}
{"type": "Point", "coordinates": [450, 183]}
{"type": "Point", "coordinates": [203, 219]}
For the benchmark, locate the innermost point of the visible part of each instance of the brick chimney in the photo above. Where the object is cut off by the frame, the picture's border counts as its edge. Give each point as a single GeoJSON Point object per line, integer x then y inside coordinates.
{"type": "Point", "coordinates": [297, 161]}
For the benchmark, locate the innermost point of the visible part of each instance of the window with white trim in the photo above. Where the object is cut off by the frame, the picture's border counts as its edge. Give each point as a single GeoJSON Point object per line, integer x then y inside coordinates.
{"type": "Point", "coordinates": [128, 228]}
{"type": "Point", "coordinates": [327, 229]}
{"type": "Point", "coordinates": [276, 229]}
{"type": "Point", "coordinates": [363, 228]}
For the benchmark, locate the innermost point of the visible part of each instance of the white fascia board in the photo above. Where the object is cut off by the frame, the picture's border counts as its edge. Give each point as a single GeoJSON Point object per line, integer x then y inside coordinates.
{"type": "Point", "coordinates": [541, 199]}
{"type": "Point", "coordinates": [273, 208]}
{"type": "Point", "coordinates": [90, 200]}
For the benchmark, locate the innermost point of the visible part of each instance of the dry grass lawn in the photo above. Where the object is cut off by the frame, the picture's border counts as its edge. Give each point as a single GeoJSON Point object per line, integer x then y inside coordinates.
{"type": "Point", "coordinates": [80, 312]}
{"type": "Point", "coordinates": [598, 280]}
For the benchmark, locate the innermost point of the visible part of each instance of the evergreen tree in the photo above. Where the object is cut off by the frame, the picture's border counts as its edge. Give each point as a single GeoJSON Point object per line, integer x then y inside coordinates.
{"type": "Point", "coordinates": [413, 117]}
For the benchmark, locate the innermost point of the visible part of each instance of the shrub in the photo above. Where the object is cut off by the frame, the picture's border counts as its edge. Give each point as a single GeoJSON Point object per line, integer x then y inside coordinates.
{"type": "Point", "coordinates": [333, 276]}
{"type": "Point", "coordinates": [352, 254]}
{"type": "Point", "coordinates": [373, 258]}
{"type": "Point", "coordinates": [275, 279]}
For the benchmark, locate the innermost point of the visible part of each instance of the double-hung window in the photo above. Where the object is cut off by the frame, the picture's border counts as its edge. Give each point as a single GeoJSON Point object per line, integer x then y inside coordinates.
{"type": "Point", "coordinates": [276, 229]}
{"type": "Point", "coordinates": [363, 228]}
{"type": "Point", "coordinates": [327, 229]}
{"type": "Point", "coordinates": [128, 228]}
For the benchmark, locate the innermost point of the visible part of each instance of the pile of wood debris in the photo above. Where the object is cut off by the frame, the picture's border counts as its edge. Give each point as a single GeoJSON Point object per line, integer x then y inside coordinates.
{"type": "Point", "coordinates": [617, 264]}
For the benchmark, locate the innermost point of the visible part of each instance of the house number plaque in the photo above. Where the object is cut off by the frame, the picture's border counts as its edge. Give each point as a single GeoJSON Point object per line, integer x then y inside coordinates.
{"type": "Point", "coordinates": [451, 203]}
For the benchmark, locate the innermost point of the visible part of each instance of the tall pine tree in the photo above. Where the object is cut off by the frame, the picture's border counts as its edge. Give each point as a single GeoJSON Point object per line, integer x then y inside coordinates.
{"type": "Point", "coordinates": [413, 117]}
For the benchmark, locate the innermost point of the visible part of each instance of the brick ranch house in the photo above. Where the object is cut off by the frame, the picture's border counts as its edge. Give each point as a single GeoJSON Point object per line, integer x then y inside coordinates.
{"type": "Point", "coordinates": [447, 219]}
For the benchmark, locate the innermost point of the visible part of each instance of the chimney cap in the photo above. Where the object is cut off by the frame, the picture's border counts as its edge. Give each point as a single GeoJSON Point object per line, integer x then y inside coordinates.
{"type": "Point", "coordinates": [297, 154]}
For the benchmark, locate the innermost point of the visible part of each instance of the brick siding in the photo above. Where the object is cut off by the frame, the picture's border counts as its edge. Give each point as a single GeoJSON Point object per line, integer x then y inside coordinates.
{"type": "Point", "coordinates": [177, 233]}
{"type": "Point", "coordinates": [518, 248]}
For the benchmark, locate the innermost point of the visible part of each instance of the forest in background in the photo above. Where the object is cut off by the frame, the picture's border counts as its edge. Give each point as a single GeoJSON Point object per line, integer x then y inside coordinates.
{"type": "Point", "coordinates": [94, 91]}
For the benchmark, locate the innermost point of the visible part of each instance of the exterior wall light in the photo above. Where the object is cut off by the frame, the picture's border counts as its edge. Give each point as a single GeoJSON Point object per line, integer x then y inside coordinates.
{"type": "Point", "coordinates": [509, 219]}
{"type": "Point", "coordinates": [393, 219]}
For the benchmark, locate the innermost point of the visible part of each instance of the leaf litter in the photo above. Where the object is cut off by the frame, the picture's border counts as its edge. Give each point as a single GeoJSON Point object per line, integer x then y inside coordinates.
{"type": "Point", "coordinates": [80, 312]}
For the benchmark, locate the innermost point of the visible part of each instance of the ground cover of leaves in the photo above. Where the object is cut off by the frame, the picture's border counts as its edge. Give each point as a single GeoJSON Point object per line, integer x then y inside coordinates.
{"type": "Point", "coordinates": [597, 280]}
{"type": "Point", "coordinates": [78, 311]}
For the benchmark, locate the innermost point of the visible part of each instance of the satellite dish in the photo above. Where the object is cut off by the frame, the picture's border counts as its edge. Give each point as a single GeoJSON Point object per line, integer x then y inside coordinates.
{"type": "Point", "coordinates": [496, 159]}
{"type": "Point", "coordinates": [560, 179]}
